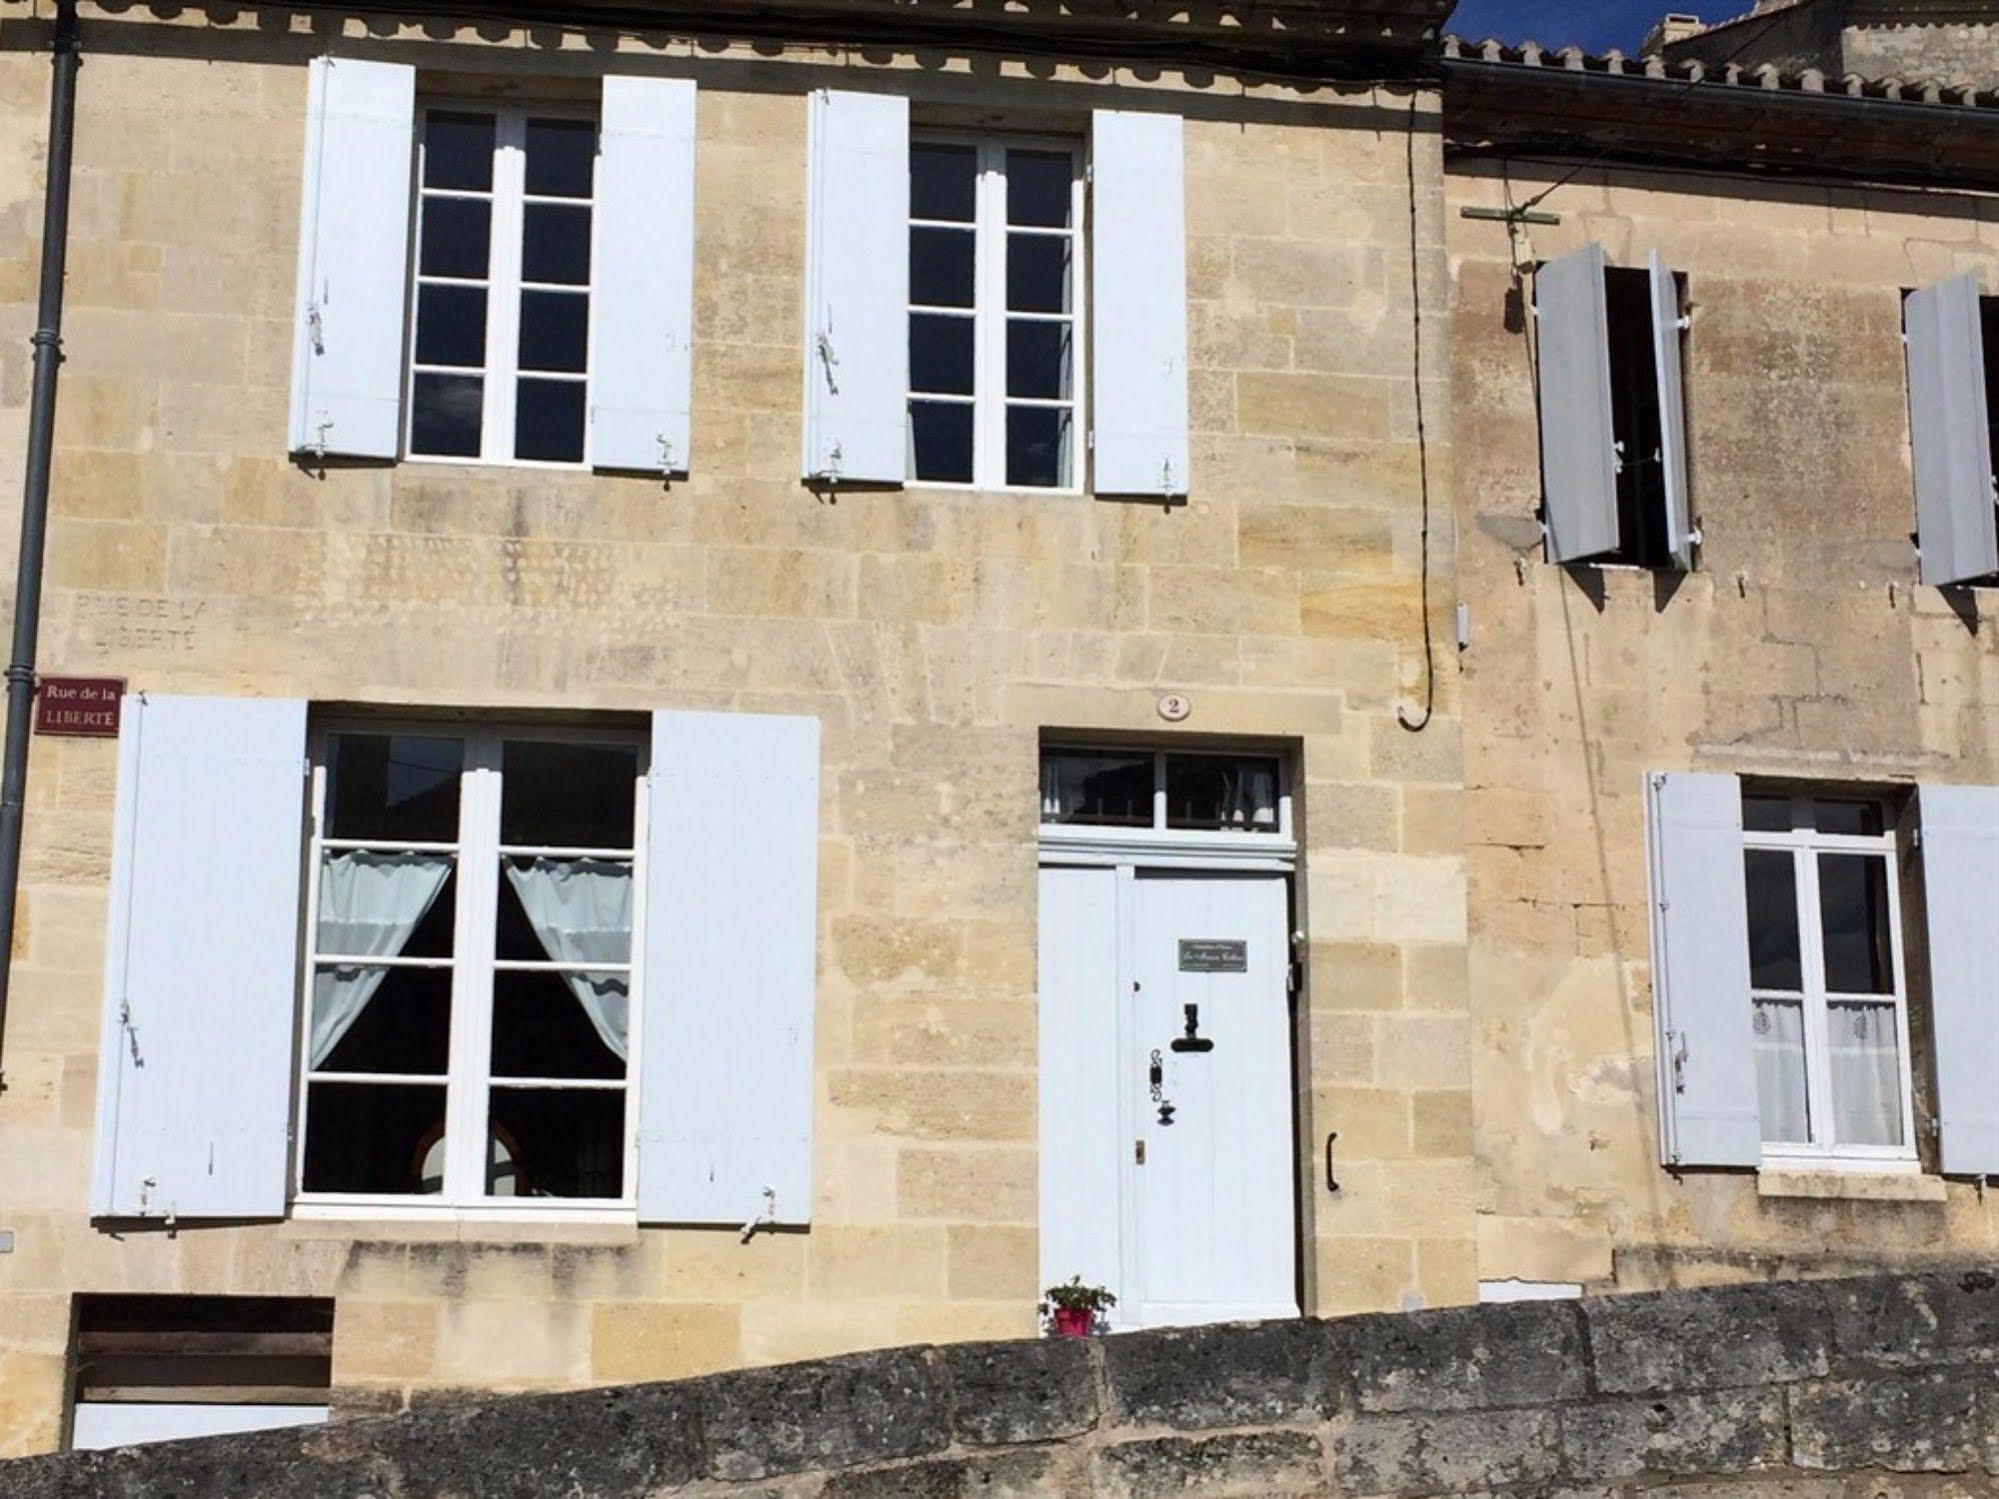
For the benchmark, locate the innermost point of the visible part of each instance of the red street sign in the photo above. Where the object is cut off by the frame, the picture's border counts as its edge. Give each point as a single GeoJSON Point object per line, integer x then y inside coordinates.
{"type": "Point", "coordinates": [83, 707]}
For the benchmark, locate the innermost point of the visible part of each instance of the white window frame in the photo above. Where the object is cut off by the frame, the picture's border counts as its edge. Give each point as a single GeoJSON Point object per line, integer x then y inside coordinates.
{"type": "Point", "coordinates": [468, 1079]}
{"type": "Point", "coordinates": [1804, 844]}
{"type": "Point", "coordinates": [503, 284]}
{"type": "Point", "coordinates": [989, 400]}
{"type": "Point", "coordinates": [1096, 843]}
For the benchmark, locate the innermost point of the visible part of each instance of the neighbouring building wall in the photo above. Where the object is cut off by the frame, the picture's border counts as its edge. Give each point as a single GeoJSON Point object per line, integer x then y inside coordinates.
{"type": "Point", "coordinates": [1913, 40]}
{"type": "Point", "coordinates": [934, 633]}
{"type": "Point", "coordinates": [1801, 646]}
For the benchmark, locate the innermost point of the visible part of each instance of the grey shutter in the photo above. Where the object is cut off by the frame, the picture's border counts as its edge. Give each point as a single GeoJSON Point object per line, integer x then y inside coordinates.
{"type": "Point", "coordinates": [642, 302]}
{"type": "Point", "coordinates": [1956, 528]}
{"type": "Point", "coordinates": [353, 259]}
{"type": "Point", "coordinates": [1667, 322]}
{"type": "Point", "coordinates": [731, 913]}
{"type": "Point", "coordinates": [1138, 303]}
{"type": "Point", "coordinates": [1578, 441]}
{"type": "Point", "coordinates": [857, 288]}
{"type": "Point", "coordinates": [1960, 846]}
{"type": "Point", "coordinates": [1700, 972]}
{"type": "Point", "coordinates": [196, 1058]}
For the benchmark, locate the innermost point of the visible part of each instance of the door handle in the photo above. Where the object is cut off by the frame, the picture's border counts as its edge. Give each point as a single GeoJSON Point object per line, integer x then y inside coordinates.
{"type": "Point", "coordinates": [1332, 1182]}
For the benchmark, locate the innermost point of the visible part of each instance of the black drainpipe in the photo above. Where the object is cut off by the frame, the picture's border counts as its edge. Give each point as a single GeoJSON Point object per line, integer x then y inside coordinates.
{"type": "Point", "coordinates": [35, 493]}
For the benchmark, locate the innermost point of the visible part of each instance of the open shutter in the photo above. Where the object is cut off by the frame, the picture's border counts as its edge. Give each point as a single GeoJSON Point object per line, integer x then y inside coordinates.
{"type": "Point", "coordinates": [1700, 972]}
{"type": "Point", "coordinates": [1138, 292]}
{"type": "Point", "coordinates": [732, 879]}
{"type": "Point", "coordinates": [201, 959]}
{"type": "Point", "coordinates": [643, 296]}
{"type": "Point", "coordinates": [1667, 323]}
{"type": "Point", "coordinates": [857, 288]}
{"type": "Point", "coordinates": [1578, 441]}
{"type": "Point", "coordinates": [353, 259]}
{"type": "Point", "coordinates": [1960, 846]}
{"type": "Point", "coordinates": [1956, 528]}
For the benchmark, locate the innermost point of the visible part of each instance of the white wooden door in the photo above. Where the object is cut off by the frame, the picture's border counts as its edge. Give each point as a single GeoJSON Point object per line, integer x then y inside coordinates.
{"type": "Point", "coordinates": [1180, 1200]}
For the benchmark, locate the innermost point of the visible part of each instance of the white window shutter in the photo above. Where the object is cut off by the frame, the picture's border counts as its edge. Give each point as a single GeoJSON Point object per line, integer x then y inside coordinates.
{"type": "Point", "coordinates": [1138, 303]}
{"type": "Point", "coordinates": [642, 299]}
{"type": "Point", "coordinates": [1666, 324]}
{"type": "Point", "coordinates": [1578, 439]}
{"type": "Point", "coordinates": [353, 259]}
{"type": "Point", "coordinates": [1700, 972]}
{"type": "Point", "coordinates": [196, 1059]}
{"type": "Point", "coordinates": [1960, 848]}
{"type": "Point", "coordinates": [1957, 529]}
{"type": "Point", "coordinates": [732, 879]}
{"type": "Point", "coordinates": [857, 288]}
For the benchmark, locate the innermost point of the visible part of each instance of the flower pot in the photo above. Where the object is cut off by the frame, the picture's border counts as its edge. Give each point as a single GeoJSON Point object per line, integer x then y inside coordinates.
{"type": "Point", "coordinates": [1074, 1322]}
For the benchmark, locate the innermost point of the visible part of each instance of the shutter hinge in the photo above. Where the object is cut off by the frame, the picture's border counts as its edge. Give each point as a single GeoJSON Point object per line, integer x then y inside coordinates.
{"type": "Point", "coordinates": [315, 326]}
{"type": "Point", "coordinates": [131, 1031]}
{"type": "Point", "coordinates": [1679, 1060]}
{"type": "Point", "coordinates": [824, 343]}
{"type": "Point", "coordinates": [1089, 171]}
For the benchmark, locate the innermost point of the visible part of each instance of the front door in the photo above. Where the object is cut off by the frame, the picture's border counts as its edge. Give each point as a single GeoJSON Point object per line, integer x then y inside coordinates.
{"type": "Point", "coordinates": [1167, 1166]}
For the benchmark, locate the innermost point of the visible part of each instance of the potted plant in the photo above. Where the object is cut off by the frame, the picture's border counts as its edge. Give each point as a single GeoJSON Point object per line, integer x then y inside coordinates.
{"type": "Point", "coordinates": [1074, 1310]}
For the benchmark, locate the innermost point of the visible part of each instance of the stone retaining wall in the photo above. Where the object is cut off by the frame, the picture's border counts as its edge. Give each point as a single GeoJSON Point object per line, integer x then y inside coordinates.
{"type": "Point", "coordinates": [1815, 1390]}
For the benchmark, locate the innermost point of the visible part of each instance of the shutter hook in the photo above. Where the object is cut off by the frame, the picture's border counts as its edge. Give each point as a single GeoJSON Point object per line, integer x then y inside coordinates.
{"type": "Point", "coordinates": [829, 359]}
{"type": "Point", "coordinates": [764, 1218]}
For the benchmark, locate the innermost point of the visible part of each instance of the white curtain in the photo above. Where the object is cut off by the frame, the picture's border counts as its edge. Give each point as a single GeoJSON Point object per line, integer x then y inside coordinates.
{"type": "Point", "coordinates": [369, 903]}
{"type": "Point", "coordinates": [1249, 796]}
{"type": "Point", "coordinates": [1866, 1074]}
{"type": "Point", "coordinates": [582, 912]}
{"type": "Point", "coordinates": [1780, 1072]}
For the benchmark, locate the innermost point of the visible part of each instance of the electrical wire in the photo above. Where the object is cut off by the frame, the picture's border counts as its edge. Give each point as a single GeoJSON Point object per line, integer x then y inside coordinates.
{"type": "Point", "coordinates": [1417, 726]}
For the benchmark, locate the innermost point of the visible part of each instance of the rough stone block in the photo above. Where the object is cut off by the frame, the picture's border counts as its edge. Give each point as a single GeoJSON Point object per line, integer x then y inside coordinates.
{"type": "Point", "coordinates": [1921, 1320]}
{"type": "Point", "coordinates": [1722, 1432]}
{"type": "Point", "coordinates": [1019, 1391]}
{"type": "Point", "coordinates": [1704, 1340]}
{"type": "Point", "coordinates": [1929, 1422]}
{"type": "Point", "coordinates": [1203, 1377]}
{"type": "Point", "coordinates": [1260, 1464]}
{"type": "Point", "coordinates": [1006, 1475]}
{"type": "Point", "coordinates": [1466, 1358]}
{"type": "Point", "coordinates": [866, 1407]}
{"type": "Point", "coordinates": [1480, 1451]}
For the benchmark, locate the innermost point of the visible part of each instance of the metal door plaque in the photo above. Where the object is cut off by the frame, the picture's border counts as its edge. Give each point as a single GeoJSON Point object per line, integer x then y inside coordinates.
{"type": "Point", "coordinates": [1208, 955]}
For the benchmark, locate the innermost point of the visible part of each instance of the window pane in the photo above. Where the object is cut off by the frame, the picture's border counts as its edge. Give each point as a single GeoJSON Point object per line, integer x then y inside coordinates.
{"type": "Point", "coordinates": [560, 155]}
{"type": "Point", "coordinates": [451, 325]}
{"type": "Point", "coordinates": [940, 267]}
{"type": "Point", "coordinates": [373, 1137]}
{"type": "Point", "coordinates": [446, 414]}
{"type": "Point", "coordinates": [548, 420]}
{"type": "Point", "coordinates": [555, 244]}
{"type": "Point", "coordinates": [457, 238]}
{"type": "Point", "coordinates": [458, 151]}
{"type": "Point", "coordinates": [1764, 813]}
{"type": "Point", "coordinates": [1037, 446]}
{"type": "Point", "coordinates": [940, 439]}
{"type": "Point", "coordinates": [1772, 879]}
{"type": "Point", "coordinates": [555, 331]}
{"type": "Point", "coordinates": [380, 1020]}
{"type": "Point", "coordinates": [1866, 1074]}
{"type": "Point", "coordinates": [1221, 791]}
{"type": "Point", "coordinates": [567, 794]}
{"type": "Point", "coordinates": [562, 1142]}
{"type": "Point", "coordinates": [1860, 819]}
{"type": "Point", "coordinates": [1037, 360]}
{"type": "Point", "coordinates": [376, 903]}
{"type": "Point", "coordinates": [942, 182]}
{"type": "Point", "coordinates": [393, 788]}
{"type": "Point", "coordinates": [1038, 188]}
{"type": "Point", "coordinates": [1037, 272]}
{"type": "Point", "coordinates": [548, 1025]}
{"type": "Point", "coordinates": [1779, 1025]}
{"type": "Point", "coordinates": [1097, 788]}
{"type": "Point", "coordinates": [1853, 903]}
{"type": "Point", "coordinates": [565, 910]}
{"type": "Point", "coordinates": [940, 354]}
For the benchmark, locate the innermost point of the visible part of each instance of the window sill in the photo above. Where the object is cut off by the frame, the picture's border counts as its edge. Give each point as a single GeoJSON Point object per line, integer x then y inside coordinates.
{"type": "Point", "coordinates": [468, 1225]}
{"type": "Point", "coordinates": [1849, 1184]}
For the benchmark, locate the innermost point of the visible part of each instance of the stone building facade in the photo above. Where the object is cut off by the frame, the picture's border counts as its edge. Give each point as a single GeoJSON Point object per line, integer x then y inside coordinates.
{"type": "Point", "coordinates": [1920, 41]}
{"type": "Point", "coordinates": [938, 635]}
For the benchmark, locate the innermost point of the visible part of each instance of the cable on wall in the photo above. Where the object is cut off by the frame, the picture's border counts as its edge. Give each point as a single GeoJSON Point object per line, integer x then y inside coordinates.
{"type": "Point", "coordinates": [1418, 725]}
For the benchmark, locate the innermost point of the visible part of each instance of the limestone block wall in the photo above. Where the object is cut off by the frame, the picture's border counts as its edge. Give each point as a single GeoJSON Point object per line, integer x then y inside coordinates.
{"type": "Point", "coordinates": [1800, 646]}
{"type": "Point", "coordinates": [936, 634]}
{"type": "Point", "coordinates": [1865, 1387]}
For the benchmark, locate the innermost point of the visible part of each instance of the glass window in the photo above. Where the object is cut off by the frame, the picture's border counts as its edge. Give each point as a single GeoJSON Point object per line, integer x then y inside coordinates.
{"type": "Point", "coordinates": [500, 342]}
{"type": "Point", "coordinates": [1177, 790]}
{"type": "Point", "coordinates": [993, 322]}
{"type": "Point", "coordinates": [1221, 791]}
{"type": "Point", "coordinates": [407, 967]}
{"type": "Point", "coordinates": [1097, 788]}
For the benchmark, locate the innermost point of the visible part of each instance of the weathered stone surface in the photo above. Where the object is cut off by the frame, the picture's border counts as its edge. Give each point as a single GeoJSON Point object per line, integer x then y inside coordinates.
{"type": "Point", "coordinates": [1455, 1452]}
{"type": "Point", "coordinates": [1257, 1464]}
{"type": "Point", "coordinates": [1006, 1475]}
{"type": "Point", "coordinates": [1033, 1391]}
{"type": "Point", "coordinates": [1918, 1319]}
{"type": "Point", "coordinates": [1221, 1376]}
{"type": "Point", "coordinates": [1528, 1353]}
{"type": "Point", "coordinates": [864, 1407]}
{"type": "Point", "coordinates": [1701, 1340]}
{"type": "Point", "coordinates": [1726, 1431]}
{"type": "Point", "coordinates": [1929, 1422]}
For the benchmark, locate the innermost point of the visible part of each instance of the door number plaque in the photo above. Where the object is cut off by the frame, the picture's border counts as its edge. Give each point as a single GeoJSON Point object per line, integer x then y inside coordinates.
{"type": "Point", "coordinates": [1205, 955]}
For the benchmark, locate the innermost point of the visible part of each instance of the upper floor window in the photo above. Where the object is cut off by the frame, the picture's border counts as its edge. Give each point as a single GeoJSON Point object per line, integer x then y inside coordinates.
{"type": "Point", "coordinates": [470, 964]}
{"type": "Point", "coordinates": [500, 337]}
{"type": "Point", "coordinates": [995, 280]}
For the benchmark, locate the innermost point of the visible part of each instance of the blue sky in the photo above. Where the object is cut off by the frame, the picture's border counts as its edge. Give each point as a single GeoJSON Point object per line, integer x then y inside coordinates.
{"type": "Point", "coordinates": [1592, 24]}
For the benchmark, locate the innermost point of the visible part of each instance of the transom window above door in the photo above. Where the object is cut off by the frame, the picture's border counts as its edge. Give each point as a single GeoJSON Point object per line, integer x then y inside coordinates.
{"type": "Point", "coordinates": [500, 335]}
{"type": "Point", "coordinates": [995, 324]}
{"type": "Point", "coordinates": [1165, 790]}
{"type": "Point", "coordinates": [469, 1017]}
